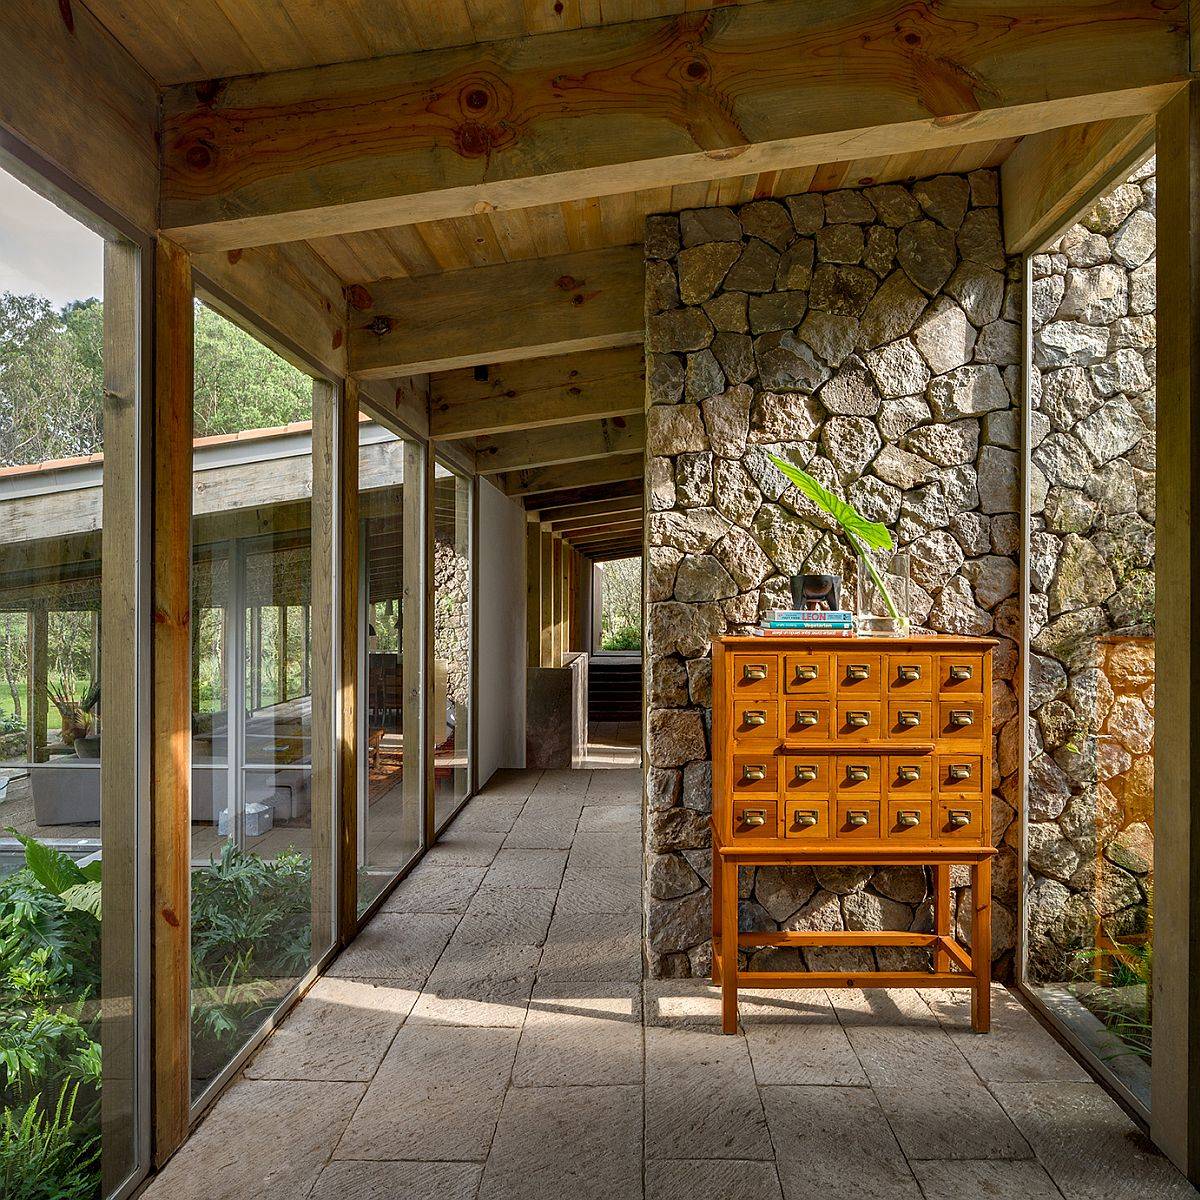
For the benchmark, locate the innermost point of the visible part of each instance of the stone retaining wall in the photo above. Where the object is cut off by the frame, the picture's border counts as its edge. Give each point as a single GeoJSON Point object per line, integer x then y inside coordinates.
{"type": "Point", "coordinates": [872, 336]}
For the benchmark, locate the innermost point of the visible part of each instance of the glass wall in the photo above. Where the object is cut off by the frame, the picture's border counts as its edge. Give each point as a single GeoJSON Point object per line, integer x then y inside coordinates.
{"type": "Point", "coordinates": [258, 858]}
{"type": "Point", "coordinates": [1089, 832]}
{"type": "Point", "coordinates": [452, 638]}
{"type": "Point", "coordinates": [70, 865]}
{"type": "Point", "coordinates": [391, 478]}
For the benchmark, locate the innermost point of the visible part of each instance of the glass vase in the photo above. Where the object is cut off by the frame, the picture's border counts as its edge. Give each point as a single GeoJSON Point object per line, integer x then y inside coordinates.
{"type": "Point", "coordinates": [883, 594]}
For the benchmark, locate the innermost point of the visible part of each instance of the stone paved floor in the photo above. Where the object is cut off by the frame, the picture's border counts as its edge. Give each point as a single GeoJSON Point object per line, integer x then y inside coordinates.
{"type": "Point", "coordinates": [490, 1036]}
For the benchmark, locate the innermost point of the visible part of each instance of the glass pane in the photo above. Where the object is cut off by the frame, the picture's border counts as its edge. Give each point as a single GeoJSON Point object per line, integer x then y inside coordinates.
{"type": "Point", "coordinates": [254, 878]}
{"type": "Point", "coordinates": [451, 732]}
{"type": "Point", "coordinates": [68, 994]}
{"type": "Point", "coordinates": [391, 788]}
{"type": "Point", "coordinates": [1090, 807]}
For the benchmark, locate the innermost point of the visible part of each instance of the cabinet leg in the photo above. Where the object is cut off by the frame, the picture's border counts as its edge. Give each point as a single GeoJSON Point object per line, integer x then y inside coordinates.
{"type": "Point", "coordinates": [941, 914]}
{"type": "Point", "coordinates": [729, 947]}
{"type": "Point", "coordinates": [716, 914]}
{"type": "Point", "coordinates": [981, 945]}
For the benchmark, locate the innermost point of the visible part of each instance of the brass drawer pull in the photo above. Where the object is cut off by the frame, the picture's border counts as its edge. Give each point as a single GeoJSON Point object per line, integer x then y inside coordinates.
{"type": "Point", "coordinates": [754, 817]}
{"type": "Point", "coordinates": [960, 672]}
{"type": "Point", "coordinates": [807, 717]}
{"type": "Point", "coordinates": [909, 719]}
{"type": "Point", "coordinates": [961, 717]}
{"type": "Point", "coordinates": [959, 818]}
{"type": "Point", "coordinates": [858, 671]}
{"type": "Point", "coordinates": [806, 671]}
{"type": "Point", "coordinates": [754, 774]}
{"type": "Point", "coordinates": [858, 774]}
{"type": "Point", "coordinates": [908, 672]}
{"type": "Point", "coordinates": [806, 774]}
{"type": "Point", "coordinates": [857, 818]}
{"type": "Point", "coordinates": [910, 774]}
{"type": "Point", "coordinates": [960, 771]}
{"type": "Point", "coordinates": [754, 671]}
{"type": "Point", "coordinates": [858, 720]}
{"type": "Point", "coordinates": [805, 818]}
{"type": "Point", "coordinates": [908, 818]}
{"type": "Point", "coordinates": [754, 716]}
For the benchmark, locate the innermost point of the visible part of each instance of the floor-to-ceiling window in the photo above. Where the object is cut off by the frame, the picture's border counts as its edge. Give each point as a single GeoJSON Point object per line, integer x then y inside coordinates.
{"type": "Point", "coordinates": [261, 854]}
{"type": "Point", "coordinates": [1089, 829]}
{"type": "Point", "coordinates": [391, 479]}
{"type": "Point", "coordinates": [71, 869]}
{"type": "Point", "coordinates": [452, 568]}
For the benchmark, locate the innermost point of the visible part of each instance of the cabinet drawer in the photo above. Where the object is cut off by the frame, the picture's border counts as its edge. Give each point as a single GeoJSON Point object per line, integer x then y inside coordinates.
{"type": "Point", "coordinates": [909, 776]}
{"type": "Point", "coordinates": [807, 674]}
{"type": "Point", "coordinates": [961, 720]}
{"type": "Point", "coordinates": [910, 720]}
{"type": "Point", "coordinates": [910, 675]}
{"type": "Point", "coordinates": [859, 721]}
{"type": "Point", "coordinates": [755, 674]}
{"type": "Point", "coordinates": [960, 674]}
{"type": "Point", "coordinates": [756, 773]}
{"type": "Point", "coordinates": [755, 718]}
{"type": "Point", "coordinates": [755, 819]}
{"type": "Point", "coordinates": [806, 819]}
{"type": "Point", "coordinates": [806, 775]}
{"type": "Point", "coordinates": [910, 820]}
{"type": "Point", "coordinates": [959, 773]}
{"type": "Point", "coordinates": [960, 821]}
{"type": "Point", "coordinates": [858, 674]}
{"type": "Point", "coordinates": [858, 775]}
{"type": "Point", "coordinates": [806, 720]}
{"type": "Point", "coordinates": [857, 819]}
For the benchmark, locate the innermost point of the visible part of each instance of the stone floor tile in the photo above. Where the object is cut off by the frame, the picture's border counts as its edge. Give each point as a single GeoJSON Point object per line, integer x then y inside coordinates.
{"type": "Point", "coordinates": [881, 1006]}
{"type": "Point", "coordinates": [432, 887]}
{"type": "Point", "coordinates": [701, 1098]}
{"type": "Point", "coordinates": [554, 832]}
{"type": "Point", "coordinates": [1018, 1180]}
{"type": "Point", "coordinates": [610, 818]}
{"type": "Point", "coordinates": [344, 1180]}
{"type": "Point", "coordinates": [436, 1097]}
{"type": "Point", "coordinates": [563, 780]}
{"type": "Point", "coordinates": [581, 1033]}
{"type": "Point", "coordinates": [582, 947]}
{"type": "Point", "coordinates": [1087, 1143]}
{"type": "Point", "coordinates": [400, 946]}
{"type": "Point", "coordinates": [679, 1003]}
{"type": "Point", "coordinates": [581, 1143]}
{"type": "Point", "coordinates": [720, 1179]}
{"type": "Point", "coordinates": [622, 783]}
{"type": "Point", "coordinates": [605, 851]}
{"type": "Point", "coordinates": [478, 985]}
{"type": "Point", "coordinates": [509, 781]}
{"type": "Point", "coordinates": [587, 890]}
{"type": "Point", "coordinates": [835, 1143]}
{"type": "Point", "coordinates": [773, 1006]}
{"type": "Point", "coordinates": [507, 916]}
{"type": "Point", "coordinates": [809, 1052]}
{"type": "Point", "coordinates": [526, 868]}
{"type": "Point", "coordinates": [300, 1122]}
{"type": "Point", "coordinates": [950, 1119]}
{"type": "Point", "coordinates": [339, 1031]}
{"type": "Point", "coordinates": [901, 1056]}
{"type": "Point", "coordinates": [468, 848]}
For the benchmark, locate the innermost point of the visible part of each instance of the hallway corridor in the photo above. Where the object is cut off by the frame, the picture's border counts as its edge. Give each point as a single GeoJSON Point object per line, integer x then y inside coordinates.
{"type": "Point", "coordinates": [489, 1036]}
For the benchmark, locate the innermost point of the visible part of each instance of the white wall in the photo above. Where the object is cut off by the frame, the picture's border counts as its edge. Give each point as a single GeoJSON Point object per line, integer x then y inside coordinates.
{"type": "Point", "coordinates": [500, 686]}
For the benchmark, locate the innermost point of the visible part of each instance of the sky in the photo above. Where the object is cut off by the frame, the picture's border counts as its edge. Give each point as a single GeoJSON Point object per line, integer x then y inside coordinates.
{"type": "Point", "coordinates": [43, 250]}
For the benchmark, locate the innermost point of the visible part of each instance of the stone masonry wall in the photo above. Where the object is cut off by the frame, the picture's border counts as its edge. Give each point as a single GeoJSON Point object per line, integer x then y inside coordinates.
{"type": "Point", "coordinates": [871, 336]}
{"type": "Point", "coordinates": [1091, 781]}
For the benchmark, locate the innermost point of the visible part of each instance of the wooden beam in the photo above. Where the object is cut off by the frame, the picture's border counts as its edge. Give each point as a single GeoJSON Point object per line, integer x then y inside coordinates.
{"type": "Point", "coordinates": [560, 444]}
{"type": "Point", "coordinates": [1050, 178]}
{"type": "Point", "coordinates": [171, 701]}
{"type": "Point", "coordinates": [403, 402]}
{"type": "Point", "coordinates": [526, 309]}
{"type": "Point", "coordinates": [616, 469]}
{"type": "Point", "coordinates": [647, 104]}
{"type": "Point", "coordinates": [574, 525]}
{"type": "Point", "coordinates": [346, 516]}
{"type": "Point", "coordinates": [584, 494]}
{"type": "Point", "coordinates": [529, 394]}
{"type": "Point", "coordinates": [592, 508]}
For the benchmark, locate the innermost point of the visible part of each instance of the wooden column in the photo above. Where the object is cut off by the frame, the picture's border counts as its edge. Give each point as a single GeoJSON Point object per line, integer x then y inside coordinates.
{"type": "Point", "coordinates": [427, 583]}
{"type": "Point", "coordinates": [533, 593]}
{"type": "Point", "coordinates": [170, 708]}
{"type": "Point", "coordinates": [37, 679]}
{"type": "Point", "coordinates": [1175, 1115]}
{"type": "Point", "coordinates": [547, 605]}
{"type": "Point", "coordinates": [415, 665]}
{"type": "Point", "coordinates": [556, 610]}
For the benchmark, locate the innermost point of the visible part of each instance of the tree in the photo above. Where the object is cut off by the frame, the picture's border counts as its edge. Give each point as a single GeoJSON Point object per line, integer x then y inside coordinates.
{"type": "Point", "coordinates": [621, 604]}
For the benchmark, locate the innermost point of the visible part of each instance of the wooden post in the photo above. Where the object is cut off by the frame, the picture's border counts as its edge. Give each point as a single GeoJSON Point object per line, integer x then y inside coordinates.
{"type": "Point", "coordinates": [533, 592]}
{"type": "Point", "coordinates": [427, 655]}
{"type": "Point", "coordinates": [37, 701]}
{"type": "Point", "coordinates": [547, 593]}
{"type": "Point", "coordinates": [171, 718]}
{"type": "Point", "coordinates": [981, 945]}
{"type": "Point", "coordinates": [556, 619]}
{"type": "Point", "coordinates": [281, 651]}
{"type": "Point", "coordinates": [414, 616]}
{"type": "Point", "coordinates": [1175, 1072]}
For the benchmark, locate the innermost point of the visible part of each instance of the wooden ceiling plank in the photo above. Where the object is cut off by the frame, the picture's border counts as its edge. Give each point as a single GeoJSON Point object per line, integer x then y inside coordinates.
{"type": "Point", "coordinates": [584, 493]}
{"type": "Point", "coordinates": [413, 138]}
{"type": "Point", "coordinates": [556, 444]}
{"type": "Point", "coordinates": [593, 508]}
{"type": "Point", "coordinates": [618, 468]}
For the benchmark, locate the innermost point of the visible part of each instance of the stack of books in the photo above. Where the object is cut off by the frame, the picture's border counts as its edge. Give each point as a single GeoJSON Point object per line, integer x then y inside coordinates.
{"type": "Point", "coordinates": [806, 622]}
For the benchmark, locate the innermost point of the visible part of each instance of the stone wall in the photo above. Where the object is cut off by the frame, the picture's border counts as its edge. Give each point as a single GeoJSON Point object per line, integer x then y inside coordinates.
{"type": "Point", "coordinates": [452, 616]}
{"type": "Point", "coordinates": [872, 336]}
{"type": "Point", "coordinates": [1090, 840]}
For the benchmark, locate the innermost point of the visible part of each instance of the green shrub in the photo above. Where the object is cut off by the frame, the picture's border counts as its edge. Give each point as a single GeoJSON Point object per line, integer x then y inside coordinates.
{"type": "Point", "coordinates": [628, 637]}
{"type": "Point", "coordinates": [48, 1155]}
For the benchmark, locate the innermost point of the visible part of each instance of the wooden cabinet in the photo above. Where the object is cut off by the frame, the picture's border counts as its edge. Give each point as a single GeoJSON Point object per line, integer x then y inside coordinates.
{"type": "Point", "coordinates": [853, 751]}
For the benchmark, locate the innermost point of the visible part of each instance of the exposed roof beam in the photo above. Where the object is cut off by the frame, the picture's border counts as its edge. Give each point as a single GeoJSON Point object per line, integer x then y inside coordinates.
{"type": "Point", "coordinates": [546, 502]}
{"type": "Point", "coordinates": [562, 518]}
{"type": "Point", "coordinates": [594, 532]}
{"type": "Point", "coordinates": [630, 533]}
{"type": "Point", "coordinates": [527, 309]}
{"type": "Point", "coordinates": [559, 444]}
{"type": "Point", "coordinates": [529, 394]}
{"type": "Point", "coordinates": [1051, 177]}
{"type": "Point", "coordinates": [601, 556]}
{"type": "Point", "coordinates": [616, 469]}
{"type": "Point", "coordinates": [645, 104]}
